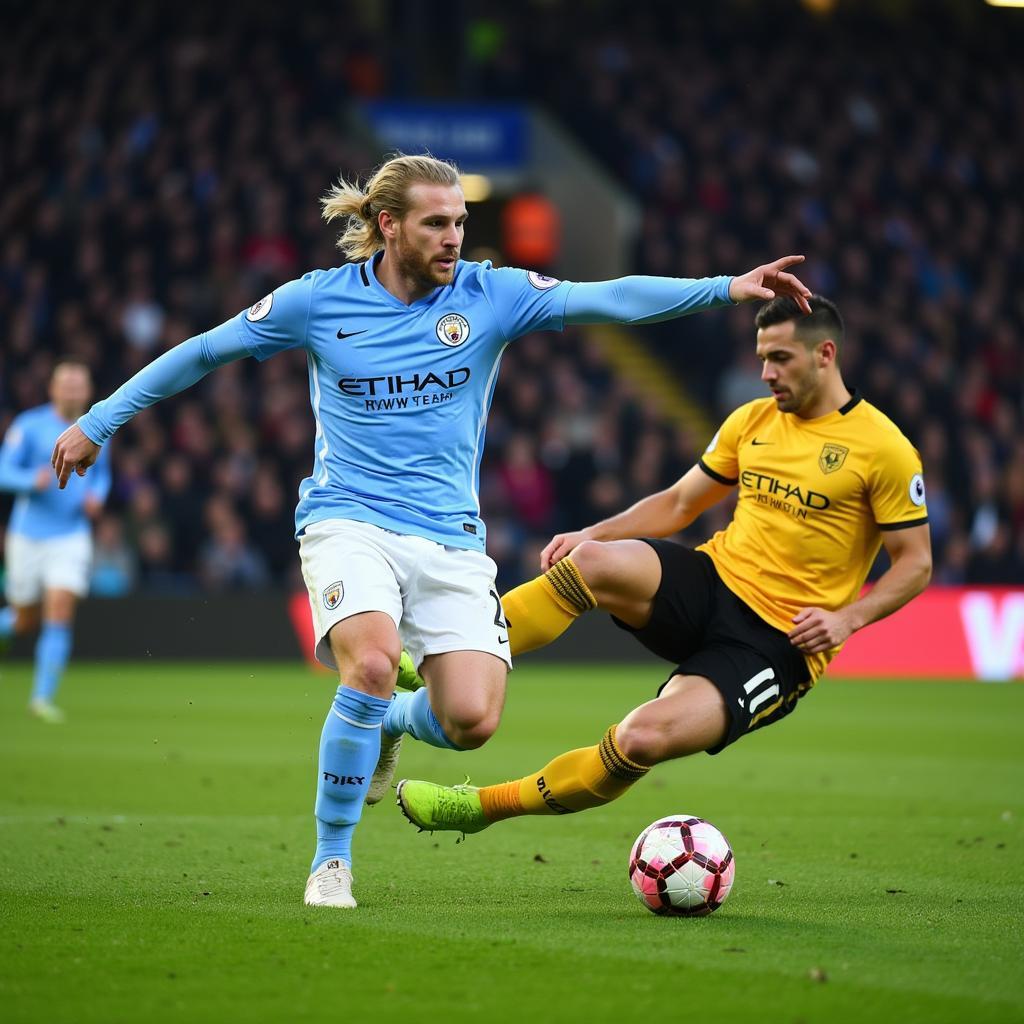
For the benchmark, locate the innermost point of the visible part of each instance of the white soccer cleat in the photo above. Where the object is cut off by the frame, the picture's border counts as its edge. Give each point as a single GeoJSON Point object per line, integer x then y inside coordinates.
{"type": "Point", "coordinates": [387, 762]}
{"type": "Point", "coordinates": [46, 711]}
{"type": "Point", "coordinates": [330, 886]}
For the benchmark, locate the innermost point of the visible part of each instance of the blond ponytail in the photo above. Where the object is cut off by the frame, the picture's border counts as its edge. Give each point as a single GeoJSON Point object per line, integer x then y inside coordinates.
{"type": "Point", "coordinates": [387, 189]}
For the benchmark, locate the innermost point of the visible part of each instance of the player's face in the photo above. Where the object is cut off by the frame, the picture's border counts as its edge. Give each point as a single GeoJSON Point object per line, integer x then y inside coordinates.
{"type": "Point", "coordinates": [428, 238]}
{"type": "Point", "coordinates": [70, 390]}
{"type": "Point", "coordinates": [789, 368]}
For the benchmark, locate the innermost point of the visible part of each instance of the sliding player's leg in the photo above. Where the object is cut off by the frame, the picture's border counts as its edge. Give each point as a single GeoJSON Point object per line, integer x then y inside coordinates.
{"type": "Point", "coordinates": [734, 673]}
{"type": "Point", "coordinates": [620, 577]}
{"type": "Point", "coordinates": [689, 716]}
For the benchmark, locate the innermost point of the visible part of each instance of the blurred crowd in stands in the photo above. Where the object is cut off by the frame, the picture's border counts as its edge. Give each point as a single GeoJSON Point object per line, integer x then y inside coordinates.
{"type": "Point", "coordinates": [161, 170]}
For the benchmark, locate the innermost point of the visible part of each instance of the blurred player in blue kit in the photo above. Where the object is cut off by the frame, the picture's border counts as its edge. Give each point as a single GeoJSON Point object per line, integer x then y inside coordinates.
{"type": "Point", "coordinates": [48, 551]}
{"type": "Point", "coordinates": [403, 345]}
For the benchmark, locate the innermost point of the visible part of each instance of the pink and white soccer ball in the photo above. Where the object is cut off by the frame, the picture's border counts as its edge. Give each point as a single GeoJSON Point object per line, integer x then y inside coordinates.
{"type": "Point", "coordinates": [682, 866]}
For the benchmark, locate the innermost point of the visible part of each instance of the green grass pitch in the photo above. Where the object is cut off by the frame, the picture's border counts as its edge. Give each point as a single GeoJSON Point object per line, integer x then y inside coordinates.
{"type": "Point", "coordinates": [153, 853]}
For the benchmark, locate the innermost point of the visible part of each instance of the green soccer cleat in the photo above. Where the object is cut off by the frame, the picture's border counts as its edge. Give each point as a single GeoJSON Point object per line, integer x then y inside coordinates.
{"type": "Point", "coordinates": [408, 678]}
{"type": "Point", "coordinates": [434, 808]}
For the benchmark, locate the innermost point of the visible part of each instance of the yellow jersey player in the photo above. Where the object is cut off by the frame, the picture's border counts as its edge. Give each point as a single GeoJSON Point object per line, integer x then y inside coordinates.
{"type": "Point", "coordinates": [751, 617]}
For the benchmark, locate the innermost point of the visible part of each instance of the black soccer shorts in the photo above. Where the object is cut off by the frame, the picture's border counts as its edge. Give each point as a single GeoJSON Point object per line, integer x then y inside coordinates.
{"type": "Point", "coordinates": [700, 624]}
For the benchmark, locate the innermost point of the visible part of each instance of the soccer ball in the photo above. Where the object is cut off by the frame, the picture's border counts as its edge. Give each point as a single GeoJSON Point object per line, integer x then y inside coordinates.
{"type": "Point", "coordinates": [681, 866]}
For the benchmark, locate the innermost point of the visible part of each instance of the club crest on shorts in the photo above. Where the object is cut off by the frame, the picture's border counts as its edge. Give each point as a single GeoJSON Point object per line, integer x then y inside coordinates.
{"type": "Point", "coordinates": [832, 457]}
{"type": "Point", "coordinates": [334, 595]}
{"type": "Point", "coordinates": [258, 310]}
{"type": "Point", "coordinates": [453, 330]}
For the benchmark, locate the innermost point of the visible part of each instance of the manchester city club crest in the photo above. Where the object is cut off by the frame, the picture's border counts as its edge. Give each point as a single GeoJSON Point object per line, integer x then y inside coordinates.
{"type": "Point", "coordinates": [832, 457]}
{"type": "Point", "coordinates": [333, 595]}
{"type": "Point", "coordinates": [453, 330]}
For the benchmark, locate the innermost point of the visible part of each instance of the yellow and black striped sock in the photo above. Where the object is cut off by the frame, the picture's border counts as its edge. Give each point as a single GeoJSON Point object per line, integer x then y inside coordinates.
{"type": "Point", "coordinates": [544, 608]}
{"type": "Point", "coordinates": [574, 781]}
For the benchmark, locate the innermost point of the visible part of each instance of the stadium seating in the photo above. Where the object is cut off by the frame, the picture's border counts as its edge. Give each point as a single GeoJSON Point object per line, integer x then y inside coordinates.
{"type": "Point", "coordinates": [137, 211]}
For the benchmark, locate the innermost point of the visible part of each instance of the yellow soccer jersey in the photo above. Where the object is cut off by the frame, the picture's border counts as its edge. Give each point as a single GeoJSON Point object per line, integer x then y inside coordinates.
{"type": "Point", "coordinates": [814, 496]}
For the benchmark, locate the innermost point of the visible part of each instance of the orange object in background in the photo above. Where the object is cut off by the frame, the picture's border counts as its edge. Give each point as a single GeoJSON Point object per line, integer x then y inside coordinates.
{"type": "Point", "coordinates": [531, 231]}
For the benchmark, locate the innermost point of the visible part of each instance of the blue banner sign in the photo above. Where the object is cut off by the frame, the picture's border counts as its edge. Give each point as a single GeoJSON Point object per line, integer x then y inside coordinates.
{"type": "Point", "coordinates": [475, 136]}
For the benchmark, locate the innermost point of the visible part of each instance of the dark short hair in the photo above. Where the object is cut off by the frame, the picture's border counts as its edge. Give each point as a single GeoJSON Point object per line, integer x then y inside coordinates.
{"type": "Point", "coordinates": [823, 322]}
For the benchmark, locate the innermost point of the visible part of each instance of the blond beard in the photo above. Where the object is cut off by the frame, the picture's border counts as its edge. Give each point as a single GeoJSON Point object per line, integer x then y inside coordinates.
{"type": "Point", "coordinates": [412, 267]}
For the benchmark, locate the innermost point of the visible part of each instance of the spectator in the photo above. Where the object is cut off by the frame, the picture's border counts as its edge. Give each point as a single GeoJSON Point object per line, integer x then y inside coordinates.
{"type": "Point", "coordinates": [527, 484]}
{"type": "Point", "coordinates": [134, 214]}
{"type": "Point", "coordinates": [114, 565]}
{"type": "Point", "coordinates": [228, 562]}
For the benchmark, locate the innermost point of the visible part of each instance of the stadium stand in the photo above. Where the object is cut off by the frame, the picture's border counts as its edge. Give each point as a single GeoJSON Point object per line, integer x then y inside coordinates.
{"type": "Point", "coordinates": [145, 201]}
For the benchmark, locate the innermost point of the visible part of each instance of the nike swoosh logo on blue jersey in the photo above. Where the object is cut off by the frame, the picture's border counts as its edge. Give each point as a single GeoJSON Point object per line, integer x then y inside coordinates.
{"type": "Point", "coordinates": [399, 443]}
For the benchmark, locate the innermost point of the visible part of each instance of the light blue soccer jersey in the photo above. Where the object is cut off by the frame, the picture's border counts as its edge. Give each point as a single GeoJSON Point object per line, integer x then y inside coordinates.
{"type": "Point", "coordinates": [401, 393]}
{"type": "Point", "coordinates": [27, 448]}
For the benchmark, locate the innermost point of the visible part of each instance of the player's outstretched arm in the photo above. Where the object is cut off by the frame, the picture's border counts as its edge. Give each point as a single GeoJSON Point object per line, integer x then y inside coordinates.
{"type": "Point", "coordinates": [910, 551]}
{"type": "Point", "coordinates": [648, 300]}
{"type": "Point", "coordinates": [78, 447]}
{"type": "Point", "coordinates": [658, 515]}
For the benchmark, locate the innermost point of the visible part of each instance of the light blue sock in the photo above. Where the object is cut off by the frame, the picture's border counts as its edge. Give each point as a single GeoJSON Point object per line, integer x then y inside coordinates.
{"type": "Point", "coordinates": [7, 617]}
{"type": "Point", "coordinates": [52, 650]}
{"type": "Point", "coordinates": [412, 713]}
{"type": "Point", "coordinates": [349, 748]}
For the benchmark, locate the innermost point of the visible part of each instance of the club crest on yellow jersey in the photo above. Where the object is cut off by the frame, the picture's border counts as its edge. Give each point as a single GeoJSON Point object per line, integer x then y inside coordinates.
{"type": "Point", "coordinates": [832, 457]}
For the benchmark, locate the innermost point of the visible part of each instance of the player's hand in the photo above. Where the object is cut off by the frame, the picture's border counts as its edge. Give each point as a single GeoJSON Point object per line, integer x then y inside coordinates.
{"type": "Point", "coordinates": [92, 506]}
{"type": "Point", "coordinates": [73, 451]}
{"type": "Point", "coordinates": [817, 630]}
{"type": "Point", "coordinates": [767, 281]}
{"type": "Point", "coordinates": [560, 545]}
{"type": "Point", "coordinates": [43, 479]}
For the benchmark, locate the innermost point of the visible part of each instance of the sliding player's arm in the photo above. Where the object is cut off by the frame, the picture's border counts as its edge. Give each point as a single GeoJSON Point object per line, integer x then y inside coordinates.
{"type": "Point", "coordinates": [910, 552]}
{"type": "Point", "coordinates": [658, 515]}
{"type": "Point", "coordinates": [896, 495]}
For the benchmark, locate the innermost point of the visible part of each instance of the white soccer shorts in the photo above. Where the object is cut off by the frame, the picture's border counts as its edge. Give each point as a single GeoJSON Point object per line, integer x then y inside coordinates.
{"type": "Point", "coordinates": [440, 598]}
{"type": "Point", "coordinates": [57, 563]}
